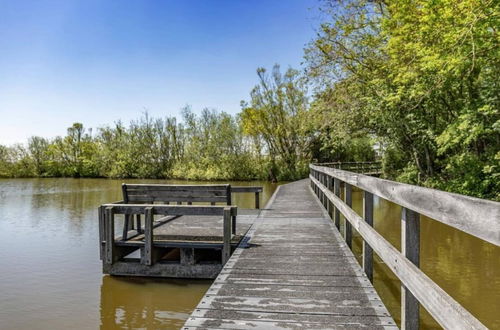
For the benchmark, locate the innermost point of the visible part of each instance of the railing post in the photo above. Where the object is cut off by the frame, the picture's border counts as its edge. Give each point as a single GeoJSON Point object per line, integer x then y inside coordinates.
{"type": "Point", "coordinates": [126, 225]}
{"type": "Point", "coordinates": [257, 200]}
{"type": "Point", "coordinates": [329, 185]}
{"type": "Point", "coordinates": [320, 191]}
{"type": "Point", "coordinates": [147, 255]}
{"type": "Point", "coordinates": [367, 250]}
{"type": "Point", "coordinates": [315, 187]}
{"type": "Point", "coordinates": [348, 227]}
{"type": "Point", "coordinates": [138, 223]}
{"type": "Point", "coordinates": [410, 248]}
{"type": "Point", "coordinates": [109, 221]}
{"type": "Point", "coordinates": [227, 233]}
{"type": "Point", "coordinates": [102, 230]}
{"type": "Point", "coordinates": [323, 181]}
{"type": "Point", "coordinates": [336, 212]}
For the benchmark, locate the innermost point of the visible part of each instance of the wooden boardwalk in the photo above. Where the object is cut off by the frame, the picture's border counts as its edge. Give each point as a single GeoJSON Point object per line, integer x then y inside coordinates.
{"type": "Point", "coordinates": [293, 270]}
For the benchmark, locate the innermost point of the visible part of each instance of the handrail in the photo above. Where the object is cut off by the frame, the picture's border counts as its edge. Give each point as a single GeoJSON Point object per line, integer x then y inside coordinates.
{"type": "Point", "coordinates": [249, 189]}
{"type": "Point", "coordinates": [164, 209]}
{"type": "Point", "coordinates": [106, 212]}
{"type": "Point", "coordinates": [418, 287]}
{"type": "Point", "coordinates": [371, 167]}
{"type": "Point", "coordinates": [478, 217]}
{"type": "Point", "coordinates": [349, 163]}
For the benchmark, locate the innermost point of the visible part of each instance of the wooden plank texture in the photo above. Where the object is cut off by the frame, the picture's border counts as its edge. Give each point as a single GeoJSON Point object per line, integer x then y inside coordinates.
{"type": "Point", "coordinates": [292, 271]}
{"type": "Point", "coordinates": [171, 209]}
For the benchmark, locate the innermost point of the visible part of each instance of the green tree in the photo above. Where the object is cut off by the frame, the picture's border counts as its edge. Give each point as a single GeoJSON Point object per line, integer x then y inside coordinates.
{"type": "Point", "coordinates": [421, 76]}
{"type": "Point", "coordinates": [277, 114]}
{"type": "Point", "coordinates": [38, 147]}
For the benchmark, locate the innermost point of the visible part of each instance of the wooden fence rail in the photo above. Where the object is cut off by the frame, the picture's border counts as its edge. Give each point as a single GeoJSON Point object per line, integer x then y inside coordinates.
{"type": "Point", "coordinates": [477, 217]}
{"type": "Point", "coordinates": [249, 189]}
{"type": "Point", "coordinates": [111, 252]}
{"type": "Point", "coordinates": [368, 168]}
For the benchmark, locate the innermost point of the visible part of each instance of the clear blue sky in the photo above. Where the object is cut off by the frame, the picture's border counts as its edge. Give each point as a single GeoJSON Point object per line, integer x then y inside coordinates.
{"type": "Point", "coordinates": [96, 61]}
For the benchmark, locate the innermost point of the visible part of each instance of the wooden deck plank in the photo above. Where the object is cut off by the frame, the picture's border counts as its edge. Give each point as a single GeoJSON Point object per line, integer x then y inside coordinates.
{"type": "Point", "coordinates": [292, 271]}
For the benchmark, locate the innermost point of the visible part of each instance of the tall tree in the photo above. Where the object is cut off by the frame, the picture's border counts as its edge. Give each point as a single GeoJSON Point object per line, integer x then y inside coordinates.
{"type": "Point", "coordinates": [277, 114]}
{"type": "Point", "coordinates": [420, 76]}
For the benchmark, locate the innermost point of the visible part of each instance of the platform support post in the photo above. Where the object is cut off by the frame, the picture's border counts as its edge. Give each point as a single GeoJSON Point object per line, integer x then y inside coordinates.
{"type": "Point", "coordinates": [147, 253]}
{"type": "Point", "coordinates": [110, 235]}
{"type": "Point", "coordinates": [226, 249]}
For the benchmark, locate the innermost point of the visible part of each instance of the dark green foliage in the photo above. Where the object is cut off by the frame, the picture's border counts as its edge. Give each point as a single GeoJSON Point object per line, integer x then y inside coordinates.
{"type": "Point", "coordinates": [419, 76]}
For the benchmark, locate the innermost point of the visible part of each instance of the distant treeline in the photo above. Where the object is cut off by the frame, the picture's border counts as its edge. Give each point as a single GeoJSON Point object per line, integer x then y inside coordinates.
{"type": "Point", "coordinates": [413, 83]}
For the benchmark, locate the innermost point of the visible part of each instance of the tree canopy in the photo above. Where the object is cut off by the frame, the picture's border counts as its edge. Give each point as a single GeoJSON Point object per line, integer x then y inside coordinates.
{"type": "Point", "coordinates": [413, 83]}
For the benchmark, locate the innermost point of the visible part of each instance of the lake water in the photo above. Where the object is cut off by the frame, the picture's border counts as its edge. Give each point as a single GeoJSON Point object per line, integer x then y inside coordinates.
{"type": "Point", "coordinates": [51, 273]}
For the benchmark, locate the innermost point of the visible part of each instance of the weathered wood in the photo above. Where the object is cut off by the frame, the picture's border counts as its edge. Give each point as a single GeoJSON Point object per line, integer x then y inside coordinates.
{"type": "Point", "coordinates": [187, 256]}
{"type": "Point", "coordinates": [329, 186]}
{"type": "Point", "coordinates": [336, 212]}
{"type": "Point", "coordinates": [138, 223]}
{"type": "Point", "coordinates": [147, 252]}
{"type": "Point", "coordinates": [171, 209]}
{"type": "Point", "coordinates": [110, 234]}
{"type": "Point", "coordinates": [172, 270]}
{"type": "Point", "coordinates": [100, 212]}
{"type": "Point", "coordinates": [348, 227]}
{"type": "Point", "coordinates": [151, 193]}
{"type": "Point", "coordinates": [175, 187]}
{"type": "Point", "coordinates": [445, 310]}
{"type": "Point", "coordinates": [229, 201]}
{"type": "Point", "coordinates": [368, 168]}
{"type": "Point", "coordinates": [124, 193]}
{"type": "Point", "coordinates": [367, 250]}
{"type": "Point", "coordinates": [246, 189]}
{"type": "Point", "coordinates": [295, 272]}
{"type": "Point", "coordinates": [410, 248]}
{"type": "Point", "coordinates": [226, 250]}
{"type": "Point", "coordinates": [478, 217]}
{"type": "Point", "coordinates": [126, 226]}
{"type": "Point", "coordinates": [228, 195]}
{"type": "Point", "coordinates": [150, 198]}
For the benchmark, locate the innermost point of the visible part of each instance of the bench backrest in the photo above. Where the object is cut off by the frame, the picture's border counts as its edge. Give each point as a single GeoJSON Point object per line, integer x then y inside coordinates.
{"type": "Point", "coordinates": [164, 193]}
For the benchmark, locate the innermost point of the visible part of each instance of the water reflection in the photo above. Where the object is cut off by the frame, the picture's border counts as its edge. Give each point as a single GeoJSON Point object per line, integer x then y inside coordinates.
{"type": "Point", "coordinates": [132, 303]}
{"type": "Point", "coordinates": [51, 274]}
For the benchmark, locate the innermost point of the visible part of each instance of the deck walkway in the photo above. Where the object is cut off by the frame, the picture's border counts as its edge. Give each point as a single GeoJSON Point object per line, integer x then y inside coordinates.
{"type": "Point", "coordinates": [293, 270]}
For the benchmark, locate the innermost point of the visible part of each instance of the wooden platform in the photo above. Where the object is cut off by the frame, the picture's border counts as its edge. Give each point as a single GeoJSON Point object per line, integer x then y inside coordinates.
{"type": "Point", "coordinates": [291, 271]}
{"type": "Point", "coordinates": [185, 247]}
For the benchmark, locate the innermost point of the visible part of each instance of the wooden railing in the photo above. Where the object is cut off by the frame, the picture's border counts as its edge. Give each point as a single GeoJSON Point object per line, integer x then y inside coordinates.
{"type": "Point", "coordinates": [249, 189]}
{"type": "Point", "coordinates": [367, 168]}
{"type": "Point", "coordinates": [112, 249]}
{"type": "Point", "coordinates": [478, 217]}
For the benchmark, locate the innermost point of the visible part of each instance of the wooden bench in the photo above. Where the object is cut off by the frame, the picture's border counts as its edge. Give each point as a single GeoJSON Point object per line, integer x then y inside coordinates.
{"type": "Point", "coordinates": [178, 194]}
{"type": "Point", "coordinates": [164, 193]}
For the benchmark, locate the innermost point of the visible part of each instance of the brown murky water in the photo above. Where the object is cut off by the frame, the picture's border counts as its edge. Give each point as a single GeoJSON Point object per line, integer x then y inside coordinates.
{"type": "Point", "coordinates": [50, 269]}
{"type": "Point", "coordinates": [51, 273]}
{"type": "Point", "coordinates": [467, 268]}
